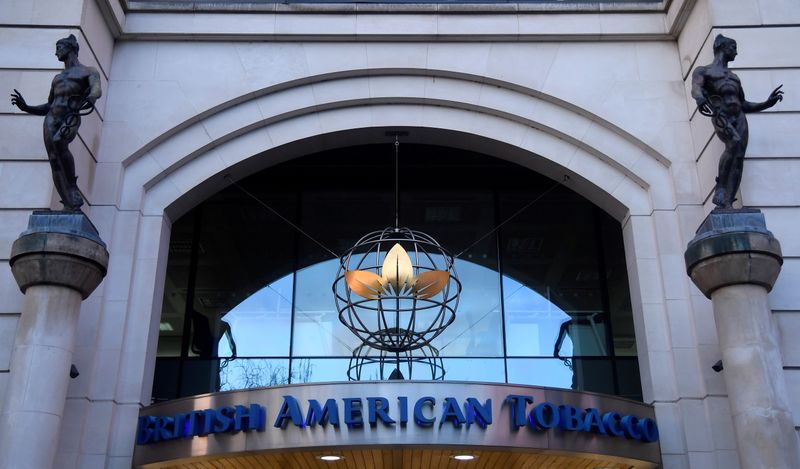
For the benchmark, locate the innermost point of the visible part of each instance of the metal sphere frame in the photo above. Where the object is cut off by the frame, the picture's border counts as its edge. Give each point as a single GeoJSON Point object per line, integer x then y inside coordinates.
{"type": "Point", "coordinates": [396, 313]}
{"type": "Point", "coordinates": [426, 357]}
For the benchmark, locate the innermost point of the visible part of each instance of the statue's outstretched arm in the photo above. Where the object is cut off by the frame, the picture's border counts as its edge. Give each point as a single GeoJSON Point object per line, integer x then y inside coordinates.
{"type": "Point", "coordinates": [773, 99]}
{"type": "Point", "coordinates": [40, 110]}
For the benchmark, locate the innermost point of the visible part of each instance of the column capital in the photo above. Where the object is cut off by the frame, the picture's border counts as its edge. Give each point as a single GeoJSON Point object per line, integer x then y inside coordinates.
{"type": "Point", "coordinates": [733, 247]}
{"type": "Point", "coordinates": [59, 248]}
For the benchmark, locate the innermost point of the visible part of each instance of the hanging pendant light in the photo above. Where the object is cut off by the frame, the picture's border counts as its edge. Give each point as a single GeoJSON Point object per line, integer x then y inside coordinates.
{"type": "Point", "coordinates": [396, 290]}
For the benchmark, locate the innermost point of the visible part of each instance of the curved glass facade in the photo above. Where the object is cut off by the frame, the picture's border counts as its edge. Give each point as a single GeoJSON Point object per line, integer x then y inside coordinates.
{"type": "Point", "coordinates": [248, 299]}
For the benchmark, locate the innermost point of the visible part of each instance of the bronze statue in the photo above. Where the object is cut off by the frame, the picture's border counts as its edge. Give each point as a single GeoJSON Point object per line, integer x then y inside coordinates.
{"type": "Point", "coordinates": [719, 95]}
{"type": "Point", "coordinates": [72, 95]}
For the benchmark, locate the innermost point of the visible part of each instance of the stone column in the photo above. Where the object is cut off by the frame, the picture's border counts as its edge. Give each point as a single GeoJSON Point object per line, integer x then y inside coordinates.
{"type": "Point", "coordinates": [735, 260]}
{"type": "Point", "coordinates": [57, 263]}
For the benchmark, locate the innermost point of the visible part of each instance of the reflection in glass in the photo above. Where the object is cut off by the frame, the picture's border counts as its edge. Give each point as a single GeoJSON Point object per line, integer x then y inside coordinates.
{"type": "Point", "coordinates": [248, 300]}
{"type": "Point", "coordinates": [319, 370]}
{"type": "Point", "coordinates": [490, 370]}
{"type": "Point", "coordinates": [478, 327]}
{"type": "Point", "coordinates": [423, 363]}
{"type": "Point", "coordinates": [199, 376]}
{"type": "Point", "coordinates": [260, 325]}
{"type": "Point", "coordinates": [550, 372]}
{"type": "Point", "coordinates": [586, 331]}
{"type": "Point", "coordinates": [246, 373]}
{"type": "Point", "coordinates": [533, 323]}
{"type": "Point", "coordinates": [629, 384]}
{"type": "Point", "coordinates": [317, 329]}
{"type": "Point", "coordinates": [580, 374]}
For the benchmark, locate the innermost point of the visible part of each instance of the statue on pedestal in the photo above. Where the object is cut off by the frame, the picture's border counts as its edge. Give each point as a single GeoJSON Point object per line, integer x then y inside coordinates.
{"type": "Point", "coordinates": [719, 95]}
{"type": "Point", "coordinates": [72, 95]}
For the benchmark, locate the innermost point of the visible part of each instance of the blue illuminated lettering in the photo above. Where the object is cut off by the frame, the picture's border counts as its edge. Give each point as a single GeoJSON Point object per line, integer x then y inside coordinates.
{"type": "Point", "coordinates": [403, 400]}
{"type": "Point", "coordinates": [144, 433]}
{"type": "Point", "coordinates": [611, 422]}
{"type": "Point", "coordinates": [224, 419]}
{"type": "Point", "coordinates": [419, 417]}
{"type": "Point", "coordinates": [545, 416]}
{"type": "Point", "coordinates": [191, 425]}
{"type": "Point", "coordinates": [519, 406]}
{"type": "Point", "coordinates": [290, 410]}
{"type": "Point", "coordinates": [353, 415]}
{"type": "Point", "coordinates": [477, 412]}
{"type": "Point", "coordinates": [208, 421]}
{"type": "Point", "coordinates": [452, 412]}
{"type": "Point", "coordinates": [377, 407]}
{"type": "Point", "coordinates": [592, 422]}
{"type": "Point", "coordinates": [630, 425]}
{"type": "Point", "coordinates": [648, 429]}
{"type": "Point", "coordinates": [253, 418]}
{"type": "Point", "coordinates": [322, 415]}
{"type": "Point", "coordinates": [570, 418]}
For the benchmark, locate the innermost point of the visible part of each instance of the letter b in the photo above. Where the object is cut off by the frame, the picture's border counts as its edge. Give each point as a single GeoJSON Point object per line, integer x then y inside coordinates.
{"type": "Point", "coordinates": [570, 418]}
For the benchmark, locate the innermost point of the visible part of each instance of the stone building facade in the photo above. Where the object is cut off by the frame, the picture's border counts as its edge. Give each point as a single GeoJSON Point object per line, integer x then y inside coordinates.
{"type": "Point", "coordinates": [194, 91]}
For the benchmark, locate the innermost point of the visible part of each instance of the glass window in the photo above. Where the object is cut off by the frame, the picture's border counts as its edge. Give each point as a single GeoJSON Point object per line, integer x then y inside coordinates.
{"type": "Point", "coordinates": [261, 324]}
{"type": "Point", "coordinates": [317, 329]}
{"type": "Point", "coordinates": [490, 370]}
{"type": "Point", "coordinates": [581, 374]}
{"type": "Point", "coordinates": [245, 373]}
{"type": "Point", "coordinates": [319, 370]}
{"type": "Point", "coordinates": [533, 323]}
{"type": "Point", "coordinates": [478, 327]}
{"type": "Point", "coordinates": [550, 372]}
{"type": "Point", "coordinates": [248, 297]}
{"type": "Point", "coordinates": [555, 303]}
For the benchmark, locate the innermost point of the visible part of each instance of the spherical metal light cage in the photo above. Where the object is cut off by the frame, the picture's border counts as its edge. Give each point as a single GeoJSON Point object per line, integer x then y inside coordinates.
{"type": "Point", "coordinates": [397, 318]}
{"type": "Point", "coordinates": [371, 364]}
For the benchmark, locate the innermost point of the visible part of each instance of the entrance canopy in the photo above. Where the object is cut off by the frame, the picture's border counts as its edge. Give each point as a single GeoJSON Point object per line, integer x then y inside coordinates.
{"type": "Point", "coordinates": [398, 425]}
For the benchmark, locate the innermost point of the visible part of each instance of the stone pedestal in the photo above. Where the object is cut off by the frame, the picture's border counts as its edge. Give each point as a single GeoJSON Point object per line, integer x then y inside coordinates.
{"type": "Point", "coordinates": [735, 260]}
{"type": "Point", "coordinates": [57, 263]}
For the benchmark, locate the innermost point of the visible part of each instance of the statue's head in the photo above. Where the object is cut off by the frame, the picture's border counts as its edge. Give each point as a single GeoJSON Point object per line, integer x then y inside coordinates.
{"type": "Point", "coordinates": [66, 45]}
{"type": "Point", "coordinates": [726, 46]}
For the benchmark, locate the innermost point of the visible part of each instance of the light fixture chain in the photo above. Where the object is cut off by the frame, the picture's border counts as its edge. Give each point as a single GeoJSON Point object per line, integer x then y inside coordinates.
{"type": "Point", "coordinates": [397, 181]}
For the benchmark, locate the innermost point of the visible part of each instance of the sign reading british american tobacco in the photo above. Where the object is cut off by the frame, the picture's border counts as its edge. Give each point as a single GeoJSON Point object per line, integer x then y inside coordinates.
{"type": "Point", "coordinates": [398, 413]}
{"type": "Point", "coordinates": [466, 414]}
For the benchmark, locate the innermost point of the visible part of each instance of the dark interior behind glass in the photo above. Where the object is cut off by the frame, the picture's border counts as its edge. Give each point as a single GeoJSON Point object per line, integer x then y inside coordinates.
{"type": "Point", "coordinates": [248, 298]}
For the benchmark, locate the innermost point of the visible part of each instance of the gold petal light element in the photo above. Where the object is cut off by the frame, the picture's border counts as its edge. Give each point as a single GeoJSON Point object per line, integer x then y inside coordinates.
{"type": "Point", "coordinates": [398, 277]}
{"type": "Point", "coordinates": [397, 270]}
{"type": "Point", "coordinates": [429, 284]}
{"type": "Point", "coordinates": [366, 284]}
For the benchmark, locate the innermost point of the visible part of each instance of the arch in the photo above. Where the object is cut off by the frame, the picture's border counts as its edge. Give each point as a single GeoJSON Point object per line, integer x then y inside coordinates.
{"type": "Point", "coordinates": [605, 164]}
{"type": "Point", "coordinates": [185, 165]}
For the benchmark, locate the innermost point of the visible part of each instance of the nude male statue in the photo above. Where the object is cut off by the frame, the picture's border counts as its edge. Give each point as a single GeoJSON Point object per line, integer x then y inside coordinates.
{"type": "Point", "coordinates": [72, 95]}
{"type": "Point", "coordinates": [719, 95]}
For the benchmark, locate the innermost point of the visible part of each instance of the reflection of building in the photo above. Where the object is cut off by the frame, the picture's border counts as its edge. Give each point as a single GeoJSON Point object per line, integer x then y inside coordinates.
{"type": "Point", "coordinates": [499, 102]}
{"type": "Point", "coordinates": [506, 330]}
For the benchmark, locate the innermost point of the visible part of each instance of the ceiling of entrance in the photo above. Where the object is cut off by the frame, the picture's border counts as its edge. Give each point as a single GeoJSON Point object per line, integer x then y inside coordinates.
{"type": "Point", "coordinates": [404, 458]}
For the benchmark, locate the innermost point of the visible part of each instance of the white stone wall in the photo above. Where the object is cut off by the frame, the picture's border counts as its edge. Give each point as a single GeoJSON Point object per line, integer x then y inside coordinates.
{"type": "Point", "coordinates": [27, 63]}
{"type": "Point", "coordinates": [767, 57]}
{"type": "Point", "coordinates": [608, 112]}
{"type": "Point", "coordinates": [601, 96]}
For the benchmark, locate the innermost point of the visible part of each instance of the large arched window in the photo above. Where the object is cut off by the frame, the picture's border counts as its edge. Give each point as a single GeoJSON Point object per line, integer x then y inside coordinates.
{"type": "Point", "coordinates": [248, 298]}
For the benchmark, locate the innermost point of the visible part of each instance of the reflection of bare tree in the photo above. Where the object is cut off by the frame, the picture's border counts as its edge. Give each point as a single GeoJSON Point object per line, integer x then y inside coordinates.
{"type": "Point", "coordinates": [246, 373]}
{"type": "Point", "coordinates": [301, 371]}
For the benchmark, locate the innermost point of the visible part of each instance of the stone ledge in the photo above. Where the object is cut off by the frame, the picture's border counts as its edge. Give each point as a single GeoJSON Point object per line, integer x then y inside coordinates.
{"type": "Point", "coordinates": [432, 6]}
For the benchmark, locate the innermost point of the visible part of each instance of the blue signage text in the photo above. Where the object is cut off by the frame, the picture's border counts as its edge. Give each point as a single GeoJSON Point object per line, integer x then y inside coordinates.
{"type": "Point", "coordinates": [546, 415]}
{"type": "Point", "coordinates": [234, 419]}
